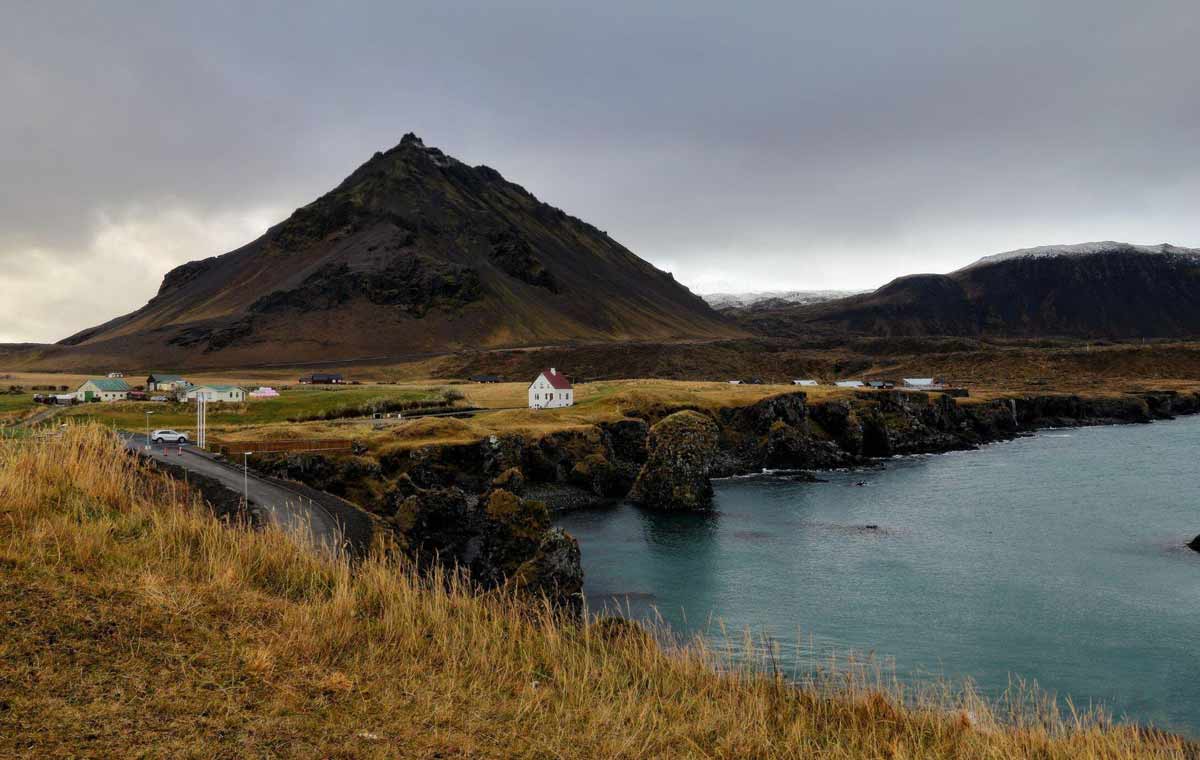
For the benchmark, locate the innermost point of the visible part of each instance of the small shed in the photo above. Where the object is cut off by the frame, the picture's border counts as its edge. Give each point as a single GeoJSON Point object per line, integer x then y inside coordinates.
{"type": "Point", "coordinates": [806, 383]}
{"type": "Point", "coordinates": [849, 383]}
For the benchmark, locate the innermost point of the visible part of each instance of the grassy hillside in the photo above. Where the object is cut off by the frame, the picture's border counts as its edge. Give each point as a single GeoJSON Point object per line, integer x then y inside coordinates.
{"type": "Point", "coordinates": [135, 625]}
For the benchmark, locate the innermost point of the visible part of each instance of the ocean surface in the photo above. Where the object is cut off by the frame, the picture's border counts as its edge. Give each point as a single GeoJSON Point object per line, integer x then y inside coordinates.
{"type": "Point", "coordinates": [1056, 558]}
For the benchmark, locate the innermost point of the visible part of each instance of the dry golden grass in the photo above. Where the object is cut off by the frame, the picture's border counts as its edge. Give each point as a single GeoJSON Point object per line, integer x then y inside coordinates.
{"type": "Point", "coordinates": [136, 625]}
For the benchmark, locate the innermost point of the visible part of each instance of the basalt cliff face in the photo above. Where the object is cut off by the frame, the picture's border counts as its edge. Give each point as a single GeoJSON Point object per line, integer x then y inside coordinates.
{"type": "Point", "coordinates": [666, 457]}
{"type": "Point", "coordinates": [414, 252]}
{"type": "Point", "coordinates": [1091, 290]}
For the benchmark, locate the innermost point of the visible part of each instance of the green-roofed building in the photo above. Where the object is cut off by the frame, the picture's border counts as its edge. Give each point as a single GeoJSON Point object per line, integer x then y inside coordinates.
{"type": "Point", "coordinates": [216, 393]}
{"type": "Point", "coordinates": [103, 389]}
{"type": "Point", "coordinates": [160, 381]}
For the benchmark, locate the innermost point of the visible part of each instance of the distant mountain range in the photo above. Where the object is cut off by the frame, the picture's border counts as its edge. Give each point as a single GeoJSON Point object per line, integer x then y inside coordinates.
{"type": "Point", "coordinates": [773, 298]}
{"type": "Point", "coordinates": [1093, 290]}
{"type": "Point", "coordinates": [414, 252]}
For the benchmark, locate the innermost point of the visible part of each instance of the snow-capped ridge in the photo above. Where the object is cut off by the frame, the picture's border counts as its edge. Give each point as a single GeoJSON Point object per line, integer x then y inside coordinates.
{"type": "Point", "coordinates": [1085, 249]}
{"type": "Point", "coordinates": [801, 297]}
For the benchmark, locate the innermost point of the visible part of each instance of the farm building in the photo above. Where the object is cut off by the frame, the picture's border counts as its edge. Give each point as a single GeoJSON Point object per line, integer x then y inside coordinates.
{"type": "Point", "coordinates": [103, 389]}
{"type": "Point", "coordinates": [921, 382]}
{"type": "Point", "coordinates": [805, 383]}
{"type": "Point", "coordinates": [116, 375]}
{"type": "Point", "coordinates": [216, 393]}
{"type": "Point", "coordinates": [849, 383]}
{"type": "Point", "coordinates": [551, 389]}
{"type": "Point", "coordinates": [881, 384]}
{"type": "Point", "coordinates": [163, 382]}
{"type": "Point", "coordinates": [486, 379]}
{"type": "Point", "coordinates": [322, 378]}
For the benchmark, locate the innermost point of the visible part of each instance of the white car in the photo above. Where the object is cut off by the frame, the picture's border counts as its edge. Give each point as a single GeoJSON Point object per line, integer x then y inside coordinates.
{"type": "Point", "coordinates": [168, 436]}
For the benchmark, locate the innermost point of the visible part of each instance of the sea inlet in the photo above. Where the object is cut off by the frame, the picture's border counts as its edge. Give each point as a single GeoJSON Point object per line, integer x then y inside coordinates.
{"type": "Point", "coordinates": [1057, 559]}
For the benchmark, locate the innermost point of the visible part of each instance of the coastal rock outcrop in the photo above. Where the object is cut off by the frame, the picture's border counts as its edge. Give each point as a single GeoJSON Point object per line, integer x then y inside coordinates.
{"type": "Point", "coordinates": [500, 538]}
{"type": "Point", "coordinates": [681, 449]}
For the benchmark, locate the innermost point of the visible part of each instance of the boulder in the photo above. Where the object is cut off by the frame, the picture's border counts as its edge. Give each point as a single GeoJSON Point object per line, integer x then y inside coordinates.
{"type": "Point", "coordinates": [680, 453]}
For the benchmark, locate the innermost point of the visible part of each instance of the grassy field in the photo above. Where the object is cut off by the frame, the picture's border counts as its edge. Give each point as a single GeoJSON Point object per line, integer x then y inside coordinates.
{"type": "Point", "coordinates": [14, 405]}
{"type": "Point", "coordinates": [136, 625]}
{"type": "Point", "coordinates": [298, 403]}
{"type": "Point", "coordinates": [509, 414]}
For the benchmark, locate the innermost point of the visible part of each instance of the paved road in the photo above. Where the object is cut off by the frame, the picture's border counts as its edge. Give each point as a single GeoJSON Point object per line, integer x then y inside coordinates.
{"type": "Point", "coordinates": [287, 508]}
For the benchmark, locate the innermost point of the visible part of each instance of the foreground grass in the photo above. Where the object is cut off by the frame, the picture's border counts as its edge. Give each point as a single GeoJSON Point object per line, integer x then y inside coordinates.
{"type": "Point", "coordinates": [136, 625]}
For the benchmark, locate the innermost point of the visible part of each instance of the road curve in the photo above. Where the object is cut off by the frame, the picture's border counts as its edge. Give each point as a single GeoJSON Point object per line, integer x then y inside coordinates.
{"type": "Point", "coordinates": [289, 509]}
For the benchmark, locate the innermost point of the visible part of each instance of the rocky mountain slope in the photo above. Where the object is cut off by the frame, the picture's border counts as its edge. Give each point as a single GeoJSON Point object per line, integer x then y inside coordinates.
{"type": "Point", "coordinates": [1093, 290]}
{"type": "Point", "coordinates": [414, 252]}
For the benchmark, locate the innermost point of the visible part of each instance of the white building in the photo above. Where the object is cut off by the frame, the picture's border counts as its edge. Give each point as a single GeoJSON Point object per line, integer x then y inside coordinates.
{"type": "Point", "coordinates": [116, 374]}
{"type": "Point", "coordinates": [551, 389]}
{"type": "Point", "coordinates": [804, 382]}
{"type": "Point", "coordinates": [103, 389]}
{"type": "Point", "coordinates": [920, 382]}
{"type": "Point", "coordinates": [216, 393]}
{"type": "Point", "coordinates": [162, 382]}
{"type": "Point", "coordinates": [849, 383]}
{"type": "Point", "coordinates": [265, 391]}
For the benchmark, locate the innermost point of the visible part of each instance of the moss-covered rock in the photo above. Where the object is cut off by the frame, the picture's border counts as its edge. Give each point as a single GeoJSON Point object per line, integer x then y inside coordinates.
{"type": "Point", "coordinates": [681, 450]}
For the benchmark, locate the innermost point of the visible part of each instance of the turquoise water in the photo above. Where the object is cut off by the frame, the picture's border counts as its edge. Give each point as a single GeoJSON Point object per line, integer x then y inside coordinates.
{"type": "Point", "coordinates": [1056, 558]}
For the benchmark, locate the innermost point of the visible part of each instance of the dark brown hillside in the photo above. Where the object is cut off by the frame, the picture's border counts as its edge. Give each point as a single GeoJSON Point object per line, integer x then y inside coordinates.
{"type": "Point", "coordinates": [1093, 290]}
{"type": "Point", "coordinates": [413, 252]}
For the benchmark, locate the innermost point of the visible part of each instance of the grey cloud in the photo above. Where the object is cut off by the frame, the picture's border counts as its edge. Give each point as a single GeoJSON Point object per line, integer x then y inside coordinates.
{"type": "Point", "coordinates": [744, 145]}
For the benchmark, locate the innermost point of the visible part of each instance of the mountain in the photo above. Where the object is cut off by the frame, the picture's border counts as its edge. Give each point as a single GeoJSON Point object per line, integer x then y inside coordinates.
{"type": "Point", "coordinates": [772, 298]}
{"type": "Point", "coordinates": [413, 252]}
{"type": "Point", "coordinates": [1092, 290]}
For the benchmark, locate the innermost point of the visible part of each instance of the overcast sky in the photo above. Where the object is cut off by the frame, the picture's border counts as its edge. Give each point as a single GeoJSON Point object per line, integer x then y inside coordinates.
{"type": "Point", "coordinates": [743, 146]}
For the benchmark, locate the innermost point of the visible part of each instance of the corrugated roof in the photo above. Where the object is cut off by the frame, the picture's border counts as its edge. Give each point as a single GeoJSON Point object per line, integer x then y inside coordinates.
{"type": "Point", "coordinates": [109, 384]}
{"type": "Point", "coordinates": [166, 378]}
{"type": "Point", "coordinates": [218, 388]}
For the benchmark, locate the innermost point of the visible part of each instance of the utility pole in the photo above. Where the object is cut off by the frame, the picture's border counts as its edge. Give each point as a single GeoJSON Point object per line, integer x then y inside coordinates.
{"type": "Point", "coordinates": [148, 413]}
{"type": "Point", "coordinates": [202, 419]}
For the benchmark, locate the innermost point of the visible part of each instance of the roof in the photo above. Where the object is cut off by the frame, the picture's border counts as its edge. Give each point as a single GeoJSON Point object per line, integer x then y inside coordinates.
{"type": "Point", "coordinates": [849, 383]}
{"type": "Point", "coordinates": [166, 378]}
{"type": "Point", "coordinates": [216, 387]}
{"type": "Point", "coordinates": [555, 378]}
{"type": "Point", "coordinates": [804, 382]}
{"type": "Point", "coordinates": [110, 384]}
{"type": "Point", "coordinates": [918, 381]}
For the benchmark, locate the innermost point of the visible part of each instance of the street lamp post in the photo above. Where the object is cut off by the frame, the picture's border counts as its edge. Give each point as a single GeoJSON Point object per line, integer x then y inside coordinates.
{"type": "Point", "coordinates": [246, 479]}
{"type": "Point", "coordinates": [148, 413]}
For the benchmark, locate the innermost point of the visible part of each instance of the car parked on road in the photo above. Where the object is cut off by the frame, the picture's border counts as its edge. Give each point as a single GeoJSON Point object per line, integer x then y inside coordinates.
{"type": "Point", "coordinates": [168, 436]}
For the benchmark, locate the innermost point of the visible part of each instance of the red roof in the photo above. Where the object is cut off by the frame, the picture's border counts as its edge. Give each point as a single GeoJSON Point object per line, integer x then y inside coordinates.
{"type": "Point", "coordinates": [556, 379]}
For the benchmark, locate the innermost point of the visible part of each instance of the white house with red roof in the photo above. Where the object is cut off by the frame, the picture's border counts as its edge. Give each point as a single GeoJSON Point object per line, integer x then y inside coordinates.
{"type": "Point", "coordinates": [551, 389]}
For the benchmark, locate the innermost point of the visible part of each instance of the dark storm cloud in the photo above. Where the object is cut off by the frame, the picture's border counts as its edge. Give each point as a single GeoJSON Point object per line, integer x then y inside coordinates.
{"type": "Point", "coordinates": [740, 145]}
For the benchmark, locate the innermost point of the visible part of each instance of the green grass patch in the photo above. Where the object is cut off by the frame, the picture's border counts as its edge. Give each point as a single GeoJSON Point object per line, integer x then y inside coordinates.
{"type": "Point", "coordinates": [292, 405]}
